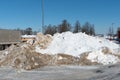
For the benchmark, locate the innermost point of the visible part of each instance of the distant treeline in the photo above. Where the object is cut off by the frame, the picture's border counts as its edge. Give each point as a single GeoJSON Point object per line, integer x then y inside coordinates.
{"type": "Point", "coordinates": [27, 31]}
{"type": "Point", "coordinates": [63, 27]}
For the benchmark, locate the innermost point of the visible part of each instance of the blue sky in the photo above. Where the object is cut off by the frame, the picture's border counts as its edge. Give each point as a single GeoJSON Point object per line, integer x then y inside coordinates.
{"type": "Point", "coordinates": [27, 13]}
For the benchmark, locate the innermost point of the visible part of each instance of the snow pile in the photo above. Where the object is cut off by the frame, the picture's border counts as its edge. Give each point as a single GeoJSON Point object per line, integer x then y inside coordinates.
{"type": "Point", "coordinates": [79, 43]}
{"type": "Point", "coordinates": [43, 40]}
{"type": "Point", "coordinates": [24, 57]}
{"type": "Point", "coordinates": [75, 44]}
{"type": "Point", "coordinates": [61, 49]}
{"type": "Point", "coordinates": [100, 57]}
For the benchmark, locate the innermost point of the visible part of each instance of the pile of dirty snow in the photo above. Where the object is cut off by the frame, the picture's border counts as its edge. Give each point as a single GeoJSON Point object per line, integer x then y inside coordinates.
{"type": "Point", "coordinates": [61, 49]}
{"type": "Point", "coordinates": [99, 49]}
{"type": "Point", "coordinates": [23, 57]}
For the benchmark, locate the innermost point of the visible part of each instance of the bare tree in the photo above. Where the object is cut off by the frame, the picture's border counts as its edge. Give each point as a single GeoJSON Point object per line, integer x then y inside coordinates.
{"type": "Point", "coordinates": [88, 29]}
{"type": "Point", "coordinates": [50, 30]}
{"type": "Point", "coordinates": [92, 30]}
{"type": "Point", "coordinates": [77, 27]}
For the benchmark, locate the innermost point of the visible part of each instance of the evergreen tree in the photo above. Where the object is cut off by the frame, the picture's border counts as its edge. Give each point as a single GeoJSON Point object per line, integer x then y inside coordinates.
{"type": "Point", "coordinates": [65, 26]}
{"type": "Point", "coordinates": [86, 27]}
{"type": "Point", "coordinates": [77, 27]}
{"type": "Point", "coordinates": [28, 31]}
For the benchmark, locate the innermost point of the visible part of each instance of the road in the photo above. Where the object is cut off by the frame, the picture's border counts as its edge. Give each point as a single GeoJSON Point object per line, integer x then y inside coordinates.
{"type": "Point", "coordinates": [111, 72]}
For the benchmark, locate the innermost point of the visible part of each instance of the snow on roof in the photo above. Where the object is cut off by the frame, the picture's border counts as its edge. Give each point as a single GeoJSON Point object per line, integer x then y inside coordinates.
{"type": "Point", "coordinates": [28, 36]}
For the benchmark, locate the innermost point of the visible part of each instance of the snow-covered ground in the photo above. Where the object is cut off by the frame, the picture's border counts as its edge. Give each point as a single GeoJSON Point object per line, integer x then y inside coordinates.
{"type": "Point", "coordinates": [47, 73]}
{"type": "Point", "coordinates": [110, 72]}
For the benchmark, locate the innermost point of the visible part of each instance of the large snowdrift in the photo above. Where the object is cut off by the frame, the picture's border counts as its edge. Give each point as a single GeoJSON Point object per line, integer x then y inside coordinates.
{"type": "Point", "coordinates": [79, 43]}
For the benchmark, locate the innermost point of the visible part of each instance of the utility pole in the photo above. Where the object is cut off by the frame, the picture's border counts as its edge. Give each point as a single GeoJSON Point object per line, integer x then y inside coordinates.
{"type": "Point", "coordinates": [112, 28]}
{"type": "Point", "coordinates": [42, 16]}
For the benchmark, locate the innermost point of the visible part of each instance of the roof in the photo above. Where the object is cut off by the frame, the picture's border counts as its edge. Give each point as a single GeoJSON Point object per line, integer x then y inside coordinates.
{"type": "Point", "coordinates": [28, 36]}
{"type": "Point", "coordinates": [9, 36]}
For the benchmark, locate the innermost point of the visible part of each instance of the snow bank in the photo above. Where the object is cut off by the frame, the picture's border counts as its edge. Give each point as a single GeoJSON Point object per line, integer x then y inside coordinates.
{"type": "Point", "coordinates": [79, 43]}
{"type": "Point", "coordinates": [100, 57]}
{"type": "Point", "coordinates": [76, 44]}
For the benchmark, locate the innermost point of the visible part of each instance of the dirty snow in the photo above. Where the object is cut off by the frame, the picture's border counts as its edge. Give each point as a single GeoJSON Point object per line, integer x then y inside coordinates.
{"type": "Point", "coordinates": [61, 49]}
{"type": "Point", "coordinates": [78, 43]}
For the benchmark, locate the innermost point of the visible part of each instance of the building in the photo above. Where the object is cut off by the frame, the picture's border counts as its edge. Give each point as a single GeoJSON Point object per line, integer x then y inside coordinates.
{"type": "Point", "coordinates": [9, 37]}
